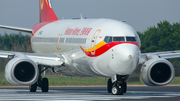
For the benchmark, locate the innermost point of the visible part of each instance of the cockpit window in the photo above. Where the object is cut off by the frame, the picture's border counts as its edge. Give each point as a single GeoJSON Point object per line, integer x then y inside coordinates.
{"type": "Point", "coordinates": [130, 39]}
{"type": "Point", "coordinates": [108, 39]}
{"type": "Point", "coordinates": [118, 39]}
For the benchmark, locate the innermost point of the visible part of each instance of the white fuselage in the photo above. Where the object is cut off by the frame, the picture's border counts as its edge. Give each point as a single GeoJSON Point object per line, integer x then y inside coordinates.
{"type": "Point", "coordinates": [83, 43]}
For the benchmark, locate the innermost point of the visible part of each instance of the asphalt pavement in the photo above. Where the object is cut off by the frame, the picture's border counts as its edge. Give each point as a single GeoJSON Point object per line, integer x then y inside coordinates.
{"type": "Point", "coordinates": [83, 93]}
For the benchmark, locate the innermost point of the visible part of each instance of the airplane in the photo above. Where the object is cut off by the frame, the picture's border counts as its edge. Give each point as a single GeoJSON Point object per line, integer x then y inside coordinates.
{"type": "Point", "coordinates": [85, 48]}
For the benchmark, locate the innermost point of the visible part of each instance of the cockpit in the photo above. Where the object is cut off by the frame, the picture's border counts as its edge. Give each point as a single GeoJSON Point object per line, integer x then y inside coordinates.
{"type": "Point", "coordinates": [109, 39]}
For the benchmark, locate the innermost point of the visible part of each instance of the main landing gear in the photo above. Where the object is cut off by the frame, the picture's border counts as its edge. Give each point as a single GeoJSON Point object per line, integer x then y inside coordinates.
{"type": "Point", "coordinates": [42, 83]}
{"type": "Point", "coordinates": [118, 86]}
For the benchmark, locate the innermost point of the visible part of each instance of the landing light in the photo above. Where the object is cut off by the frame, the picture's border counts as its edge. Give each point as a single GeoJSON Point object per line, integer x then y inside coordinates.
{"type": "Point", "coordinates": [57, 59]}
{"type": "Point", "coordinates": [73, 55]}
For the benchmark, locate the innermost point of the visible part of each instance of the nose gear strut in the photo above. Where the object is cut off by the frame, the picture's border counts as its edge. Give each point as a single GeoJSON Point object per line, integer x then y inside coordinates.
{"type": "Point", "coordinates": [117, 84]}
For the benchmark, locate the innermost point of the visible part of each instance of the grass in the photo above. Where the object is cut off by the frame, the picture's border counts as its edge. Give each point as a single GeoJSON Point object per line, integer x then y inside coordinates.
{"type": "Point", "coordinates": [55, 80]}
{"type": "Point", "coordinates": [67, 80]}
{"type": "Point", "coordinates": [176, 80]}
{"type": "Point", "coordinates": [58, 80]}
{"type": "Point", "coordinates": [3, 81]}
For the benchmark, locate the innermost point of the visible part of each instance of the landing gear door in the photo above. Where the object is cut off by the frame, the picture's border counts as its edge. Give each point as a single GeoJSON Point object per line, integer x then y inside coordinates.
{"type": "Point", "coordinates": [93, 42]}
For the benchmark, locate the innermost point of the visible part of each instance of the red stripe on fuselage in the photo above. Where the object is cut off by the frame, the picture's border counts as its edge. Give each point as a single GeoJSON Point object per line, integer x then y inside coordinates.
{"type": "Point", "coordinates": [106, 47]}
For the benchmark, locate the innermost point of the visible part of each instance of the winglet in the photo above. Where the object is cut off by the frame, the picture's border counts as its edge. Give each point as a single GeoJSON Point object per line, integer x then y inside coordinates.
{"type": "Point", "coordinates": [46, 11]}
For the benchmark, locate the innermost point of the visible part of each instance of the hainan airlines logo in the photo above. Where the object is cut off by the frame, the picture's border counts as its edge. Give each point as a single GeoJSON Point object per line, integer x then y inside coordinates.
{"type": "Point", "coordinates": [48, 2]}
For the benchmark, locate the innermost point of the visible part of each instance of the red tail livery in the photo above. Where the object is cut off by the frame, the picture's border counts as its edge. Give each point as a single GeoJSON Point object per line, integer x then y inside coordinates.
{"type": "Point", "coordinates": [46, 11]}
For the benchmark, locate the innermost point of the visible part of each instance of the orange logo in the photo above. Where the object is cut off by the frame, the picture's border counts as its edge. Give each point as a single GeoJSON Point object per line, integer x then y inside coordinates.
{"type": "Point", "coordinates": [42, 3]}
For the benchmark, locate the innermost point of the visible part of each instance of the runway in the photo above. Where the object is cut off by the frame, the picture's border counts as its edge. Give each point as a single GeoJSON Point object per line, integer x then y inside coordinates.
{"type": "Point", "coordinates": [138, 93]}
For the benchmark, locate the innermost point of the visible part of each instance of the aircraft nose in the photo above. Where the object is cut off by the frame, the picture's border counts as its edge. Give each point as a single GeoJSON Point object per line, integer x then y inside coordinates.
{"type": "Point", "coordinates": [127, 56]}
{"type": "Point", "coordinates": [125, 53]}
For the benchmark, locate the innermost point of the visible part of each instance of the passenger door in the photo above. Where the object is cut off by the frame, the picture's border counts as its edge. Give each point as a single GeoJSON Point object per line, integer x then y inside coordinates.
{"type": "Point", "coordinates": [93, 42]}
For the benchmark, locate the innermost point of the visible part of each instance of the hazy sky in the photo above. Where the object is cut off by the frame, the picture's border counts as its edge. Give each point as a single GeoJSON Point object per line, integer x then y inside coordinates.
{"type": "Point", "coordinates": [140, 14]}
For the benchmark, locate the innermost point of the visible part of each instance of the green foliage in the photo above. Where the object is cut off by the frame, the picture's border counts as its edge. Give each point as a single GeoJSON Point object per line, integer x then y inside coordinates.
{"type": "Point", "coordinates": [67, 80]}
{"type": "Point", "coordinates": [55, 80]}
{"type": "Point", "coordinates": [15, 42]}
{"type": "Point", "coordinates": [164, 37]}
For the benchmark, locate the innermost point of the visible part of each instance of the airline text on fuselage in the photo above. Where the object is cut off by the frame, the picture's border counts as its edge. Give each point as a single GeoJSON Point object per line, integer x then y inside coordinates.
{"type": "Point", "coordinates": [77, 31]}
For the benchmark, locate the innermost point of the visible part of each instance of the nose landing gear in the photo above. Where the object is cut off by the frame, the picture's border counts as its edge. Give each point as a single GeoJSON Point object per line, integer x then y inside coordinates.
{"type": "Point", "coordinates": [119, 89]}
{"type": "Point", "coordinates": [119, 86]}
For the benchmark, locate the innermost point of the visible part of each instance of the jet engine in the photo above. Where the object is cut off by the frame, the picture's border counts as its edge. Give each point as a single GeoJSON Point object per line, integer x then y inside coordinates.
{"type": "Point", "coordinates": [157, 72]}
{"type": "Point", "coordinates": [21, 71]}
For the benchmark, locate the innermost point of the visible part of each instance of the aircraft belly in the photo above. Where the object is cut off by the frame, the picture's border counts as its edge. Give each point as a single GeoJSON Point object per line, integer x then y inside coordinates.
{"type": "Point", "coordinates": [77, 61]}
{"type": "Point", "coordinates": [83, 67]}
{"type": "Point", "coordinates": [63, 70]}
{"type": "Point", "coordinates": [102, 64]}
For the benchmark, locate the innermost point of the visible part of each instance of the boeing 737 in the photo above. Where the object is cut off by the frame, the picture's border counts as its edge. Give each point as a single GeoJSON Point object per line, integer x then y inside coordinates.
{"type": "Point", "coordinates": [85, 48]}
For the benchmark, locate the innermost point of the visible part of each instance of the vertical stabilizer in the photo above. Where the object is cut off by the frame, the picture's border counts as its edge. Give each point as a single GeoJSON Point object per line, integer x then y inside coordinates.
{"type": "Point", "coordinates": [46, 11]}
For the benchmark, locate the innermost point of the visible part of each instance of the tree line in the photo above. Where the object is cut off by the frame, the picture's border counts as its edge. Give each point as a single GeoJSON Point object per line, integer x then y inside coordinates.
{"type": "Point", "coordinates": [163, 37]}
{"type": "Point", "coordinates": [15, 42]}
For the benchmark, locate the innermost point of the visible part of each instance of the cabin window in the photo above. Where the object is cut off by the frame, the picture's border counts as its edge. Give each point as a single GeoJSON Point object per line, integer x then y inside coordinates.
{"type": "Point", "coordinates": [130, 39]}
{"type": "Point", "coordinates": [76, 40]}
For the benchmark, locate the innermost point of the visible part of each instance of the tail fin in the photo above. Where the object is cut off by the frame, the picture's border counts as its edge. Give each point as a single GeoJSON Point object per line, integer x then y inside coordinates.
{"type": "Point", "coordinates": [46, 11]}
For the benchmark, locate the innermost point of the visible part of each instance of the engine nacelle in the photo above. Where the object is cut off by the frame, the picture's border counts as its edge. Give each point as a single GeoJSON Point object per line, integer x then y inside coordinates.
{"type": "Point", "coordinates": [21, 71]}
{"type": "Point", "coordinates": [157, 72]}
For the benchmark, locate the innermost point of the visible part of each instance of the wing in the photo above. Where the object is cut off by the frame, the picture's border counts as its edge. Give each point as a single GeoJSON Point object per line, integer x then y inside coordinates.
{"type": "Point", "coordinates": [16, 29]}
{"type": "Point", "coordinates": [46, 60]}
{"type": "Point", "coordinates": [166, 55]}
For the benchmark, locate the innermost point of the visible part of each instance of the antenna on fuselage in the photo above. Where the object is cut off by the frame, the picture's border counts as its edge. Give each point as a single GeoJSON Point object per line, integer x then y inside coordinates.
{"type": "Point", "coordinates": [81, 16]}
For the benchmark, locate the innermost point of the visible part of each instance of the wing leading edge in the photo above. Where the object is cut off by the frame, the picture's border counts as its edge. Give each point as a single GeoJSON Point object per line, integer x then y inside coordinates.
{"type": "Point", "coordinates": [16, 29]}
{"type": "Point", "coordinates": [166, 55]}
{"type": "Point", "coordinates": [46, 60]}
